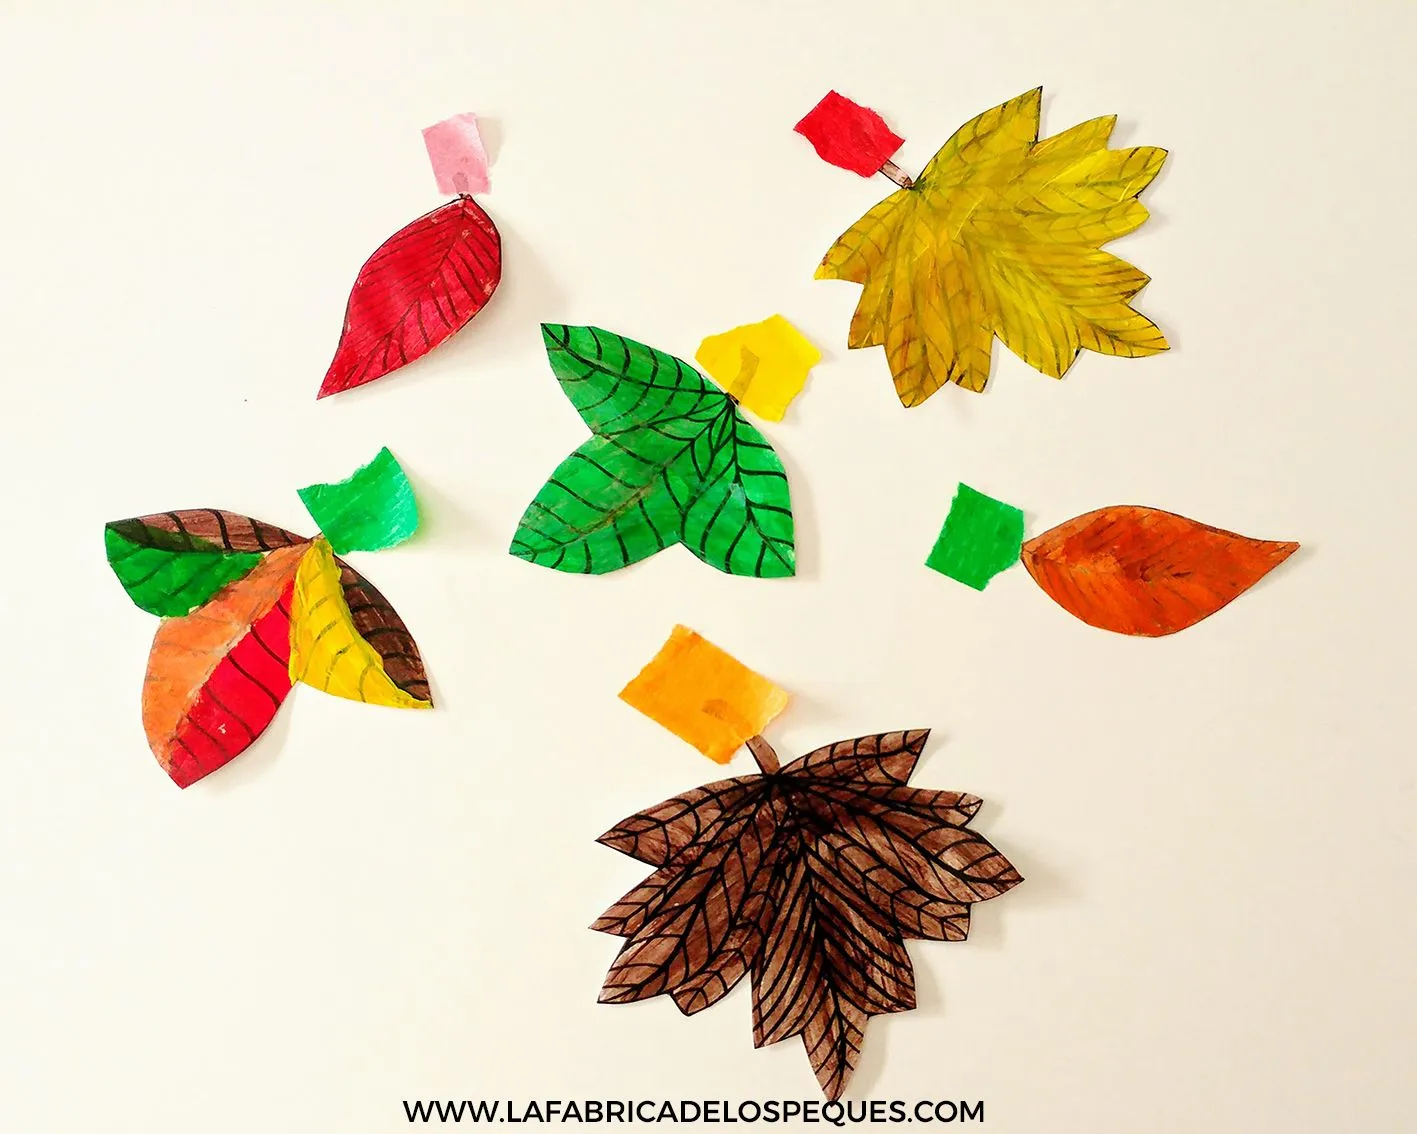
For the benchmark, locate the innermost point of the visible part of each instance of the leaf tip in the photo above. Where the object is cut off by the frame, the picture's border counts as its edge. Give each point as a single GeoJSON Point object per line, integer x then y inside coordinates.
{"type": "Point", "coordinates": [785, 567]}
{"type": "Point", "coordinates": [616, 994]}
{"type": "Point", "coordinates": [613, 838]}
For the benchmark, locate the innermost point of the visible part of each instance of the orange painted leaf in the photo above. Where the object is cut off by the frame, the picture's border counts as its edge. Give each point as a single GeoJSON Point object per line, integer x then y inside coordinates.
{"type": "Point", "coordinates": [217, 676]}
{"type": "Point", "coordinates": [1142, 571]}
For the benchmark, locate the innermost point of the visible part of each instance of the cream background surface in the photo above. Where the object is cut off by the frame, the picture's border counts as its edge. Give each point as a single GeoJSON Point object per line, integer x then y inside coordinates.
{"type": "Point", "coordinates": [1217, 931]}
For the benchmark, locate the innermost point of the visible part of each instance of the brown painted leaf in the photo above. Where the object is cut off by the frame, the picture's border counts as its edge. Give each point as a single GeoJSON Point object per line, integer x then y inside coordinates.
{"type": "Point", "coordinates": [1142, 571]}
{"type": "Point", "coordinates": [659, 833]}
{"type": "Point", "coordinates": [810, 877]}
{"type": "Point", "coordinates": [230, 531]}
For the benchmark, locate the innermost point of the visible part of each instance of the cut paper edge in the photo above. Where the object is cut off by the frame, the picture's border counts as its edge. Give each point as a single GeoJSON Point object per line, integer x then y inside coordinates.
{"type": "Point", "coordinates": [704, 696]}
{"type": "Point", "coordinates": [458, 157]}
{"type": "Point", "coordinates": [372, 509]}
{"type": "Point", "coordinates": [762, 366]}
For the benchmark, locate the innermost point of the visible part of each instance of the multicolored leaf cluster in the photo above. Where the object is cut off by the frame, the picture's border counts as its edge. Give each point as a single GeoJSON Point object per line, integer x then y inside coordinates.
{"type": "Point", "coordinates": [249, 608]}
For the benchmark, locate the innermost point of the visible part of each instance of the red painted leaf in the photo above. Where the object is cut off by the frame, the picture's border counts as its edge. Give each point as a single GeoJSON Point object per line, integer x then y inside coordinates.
{"type": "Point", "coordinates": [420, 287]}
{"type": "Point", "coordinates": [1142, 571]}
{"type": "Point", "coordinates": [217, 676]}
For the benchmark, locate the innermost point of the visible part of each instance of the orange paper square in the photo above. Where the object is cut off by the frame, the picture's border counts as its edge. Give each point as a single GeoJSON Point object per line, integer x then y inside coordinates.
{"type": "Point", "coordinates": [704, 696]}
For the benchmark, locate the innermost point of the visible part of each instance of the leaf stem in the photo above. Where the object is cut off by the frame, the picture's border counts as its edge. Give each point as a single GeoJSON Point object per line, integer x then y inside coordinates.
{"type": "Point", "coordinates": [764, 754]}
{"type": "Point", "coordinates": [896, 174]}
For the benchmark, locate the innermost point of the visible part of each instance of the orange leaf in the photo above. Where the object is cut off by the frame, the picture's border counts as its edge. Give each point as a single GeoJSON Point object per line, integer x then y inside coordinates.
{"type": "Point", "coordinates": [1142, 571]}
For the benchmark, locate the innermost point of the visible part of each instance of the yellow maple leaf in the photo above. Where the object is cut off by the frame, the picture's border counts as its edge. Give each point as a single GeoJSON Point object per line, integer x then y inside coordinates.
{"type": "Point", "coordinates": [1002, 234]}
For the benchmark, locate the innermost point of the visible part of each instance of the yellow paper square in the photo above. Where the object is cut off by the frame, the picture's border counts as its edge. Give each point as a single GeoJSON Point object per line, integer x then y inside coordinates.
{"type": "Point", "coordinates": [703, 695]}
{"type": "Point", "coordinates": [763, 365]}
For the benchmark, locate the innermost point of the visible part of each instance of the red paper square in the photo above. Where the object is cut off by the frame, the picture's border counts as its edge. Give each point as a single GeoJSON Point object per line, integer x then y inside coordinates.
{"type": "Point", "coordinates": [848, 135]}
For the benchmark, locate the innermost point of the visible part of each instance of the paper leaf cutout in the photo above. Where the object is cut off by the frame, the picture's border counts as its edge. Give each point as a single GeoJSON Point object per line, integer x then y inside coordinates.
{"type": "Point", "coordinates": [373, 509]}
{"type": "Point", "coordinates": [456, 151]}
{"type": "Point", "coordinates": [217, 676]}
{"type": "Point", "coordinates": [170, 573]}
{"type": "Point", "coordinates": [810, 877]}
{"type": "Point", "coordinates": [228, 530]}
{"type": "Point", "coordinates": [327, 651]}
{"type": "Point", "coordinates": [1142, 571]}
{"type": "Point", "coordinates": [420, 287]}
{"type": "Point", "coordinates": [672, 461]}
{"type": "Point", "coordinates": [762, 366]}
{"type": "Point", "coordinates": [848, 135]}
{"type": "Point", "coordinates": [703, 695]}
{"type": "Point", "coordinates": [378, 623]}
{"type": "Point", "coordinates": [981, 537]}
{"type": "Point", "coordinates": [1001, 235]}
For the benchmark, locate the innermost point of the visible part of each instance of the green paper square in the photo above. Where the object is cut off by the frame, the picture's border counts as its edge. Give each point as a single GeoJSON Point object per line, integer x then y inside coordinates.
{"type": "Point", "coordinates": [369, 511]}
{"type": "Point", "coordinates": [981, 537]}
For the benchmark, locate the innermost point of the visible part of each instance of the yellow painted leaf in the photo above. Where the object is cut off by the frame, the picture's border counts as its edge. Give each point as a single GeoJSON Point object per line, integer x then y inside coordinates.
{"type": "Point", "coordinates": [1002, 234]}
{"type": "Point", "coordinates": [326, 651]}
{"type": "Point", "coordinates": [704, 696]}
{"type": "Point", "coordinates": [763, 366]}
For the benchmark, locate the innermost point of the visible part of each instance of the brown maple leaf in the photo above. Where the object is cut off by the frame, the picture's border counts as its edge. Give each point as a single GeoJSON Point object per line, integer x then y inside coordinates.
{"type": "Point", "coordinates": [809, 876]}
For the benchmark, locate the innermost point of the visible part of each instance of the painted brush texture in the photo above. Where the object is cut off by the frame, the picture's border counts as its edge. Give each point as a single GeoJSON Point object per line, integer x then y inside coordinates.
{"type": "Point", "coordinates": [808, 879]}
{"type": "Point", "coordinates": [249, 609]}
{"type": "Point", "coordinates": [671, 461]}
{"type": "Point", "coordinates": [418, 289]}
{"type": "Point", "coordinates": [1142, 571]}
{"type": "Point", "coordinates": [1002, 234]}
{"type": "Point", "coordinates": [704, 696]}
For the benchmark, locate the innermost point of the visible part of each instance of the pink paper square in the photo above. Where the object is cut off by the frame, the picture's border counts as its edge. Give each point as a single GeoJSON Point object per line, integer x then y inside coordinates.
{"type": "Point", "coordinates": [455, 149]}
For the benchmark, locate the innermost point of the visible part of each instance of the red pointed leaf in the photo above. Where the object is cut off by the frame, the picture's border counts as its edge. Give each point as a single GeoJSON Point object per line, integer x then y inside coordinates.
{"type": "Point", "coordinates": [420, 287]}
{"type": "Point", "coordinates": [1142, 571]}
